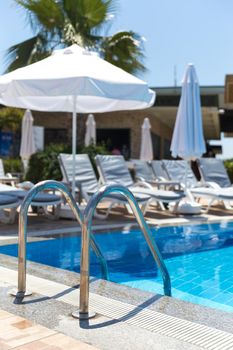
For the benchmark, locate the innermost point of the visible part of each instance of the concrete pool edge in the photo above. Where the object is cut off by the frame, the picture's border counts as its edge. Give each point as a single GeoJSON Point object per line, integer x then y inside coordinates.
{"type": "Point", "coordinates": [170, 306]}
{"type": "Point", "coordinates": [128, 327]}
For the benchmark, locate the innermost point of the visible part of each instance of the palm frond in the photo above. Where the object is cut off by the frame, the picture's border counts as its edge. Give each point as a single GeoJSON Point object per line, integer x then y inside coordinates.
{"type": "Point", "coordinates": [43, 14]}
{"type": "Point", "coordinates": [65, 22]}
{"type": "Point", "coordinates": [24, 53]}
{"type": "Point", "coordinates": [87, 14]}
{"type": "Point", "coordinates": [124, 50]}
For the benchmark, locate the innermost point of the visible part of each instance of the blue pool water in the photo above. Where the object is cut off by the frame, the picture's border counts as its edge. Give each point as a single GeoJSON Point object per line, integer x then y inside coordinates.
{"type": "Point", "coordinates": [199, 259]}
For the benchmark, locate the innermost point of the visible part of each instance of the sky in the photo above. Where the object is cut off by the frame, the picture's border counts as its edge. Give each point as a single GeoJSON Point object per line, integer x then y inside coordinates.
{"type": "Point", "coordinates": [176, 33]}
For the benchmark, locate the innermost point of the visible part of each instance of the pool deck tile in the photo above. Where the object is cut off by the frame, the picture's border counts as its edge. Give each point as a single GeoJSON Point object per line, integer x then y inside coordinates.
{"type": "Point", "coordinates": [53, 309]}
{"type": "Point", "coordinates": [102, 331]}
{"type": "Point", "coordinates": [21, 334]}
{"type": "Point", "coordinates": [118, 218]}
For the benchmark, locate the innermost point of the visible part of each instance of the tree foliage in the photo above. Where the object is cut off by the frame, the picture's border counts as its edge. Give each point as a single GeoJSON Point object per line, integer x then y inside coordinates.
{"type": "Point", "coordinates": [11, 119]}
{"type": "Point", "coordinates": [47, 161]}
{"type": "Point", "coordinates": [60, 23]}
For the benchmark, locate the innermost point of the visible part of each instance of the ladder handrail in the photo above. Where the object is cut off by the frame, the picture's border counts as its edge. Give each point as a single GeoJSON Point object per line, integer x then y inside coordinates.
{"type": "Point", "coordinates": [22, 239]}
{"type": "Point", "coordinates": [104, 191]}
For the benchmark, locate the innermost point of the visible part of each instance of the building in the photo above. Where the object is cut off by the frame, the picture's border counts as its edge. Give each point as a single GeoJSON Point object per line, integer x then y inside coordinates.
{"type": "Point", "coordinates": [122, 130]}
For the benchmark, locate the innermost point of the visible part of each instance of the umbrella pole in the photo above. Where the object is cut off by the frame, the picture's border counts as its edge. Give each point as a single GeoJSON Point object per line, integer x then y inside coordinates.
{"type": "Point", "coordinates": [187, 190]}
{"type": "Point", "coordinates": [186, 176]}
{"type": "Point", "coordinates": [74, 142]}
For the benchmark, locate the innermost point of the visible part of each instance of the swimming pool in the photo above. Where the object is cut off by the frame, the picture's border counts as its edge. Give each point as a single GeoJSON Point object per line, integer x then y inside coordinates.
{"type": "Point", "coordinates": [199, 259]}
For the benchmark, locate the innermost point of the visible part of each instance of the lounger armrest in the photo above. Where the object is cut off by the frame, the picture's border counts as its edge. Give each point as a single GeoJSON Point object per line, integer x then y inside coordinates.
{"type": "Point", "coordinates": [143, 184]}
{"type": "Point", "coordinates": [101, 182]}
{"type": "Point", "coordinates": [212, 184]}
{"type": "Point", "coordinates": [203, 184]}
{"type": "Point", "coordinates": [141, 181]}
{"type": "Point", "coordinates": [9, 175]}
{"type": "Point", "coordinates": [140, 178]}
{"type": "Point", "coordinates": [161, 178]}
{"type": "Point", "coordinates": [110, 183]}
{"type": "Point", "coordinates": [167, 184]}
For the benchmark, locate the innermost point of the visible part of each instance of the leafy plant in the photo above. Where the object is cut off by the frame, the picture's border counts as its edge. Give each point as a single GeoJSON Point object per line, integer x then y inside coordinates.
{"type": "Point", "coordinates": [229, 167]}
{"type": "Point", "coordinates": [44, 165]}
{"type": "Point", "coordinates": [11, 119]}
{"type": "Point", "coordinates": [12, 165]}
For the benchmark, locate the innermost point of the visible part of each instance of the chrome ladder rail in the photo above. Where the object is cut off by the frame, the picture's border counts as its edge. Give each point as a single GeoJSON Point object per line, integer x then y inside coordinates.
{"type": "Point", "coordinates": [41, 186]}
{"type": "Point", "coordinates": [83, 312]}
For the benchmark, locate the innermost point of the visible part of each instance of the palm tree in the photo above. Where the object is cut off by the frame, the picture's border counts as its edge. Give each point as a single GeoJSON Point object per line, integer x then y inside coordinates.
{"type": "Point", "coordinates": [60, 23]}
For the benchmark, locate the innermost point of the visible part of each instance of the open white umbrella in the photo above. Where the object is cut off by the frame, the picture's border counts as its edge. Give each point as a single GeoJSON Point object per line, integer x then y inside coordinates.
{"type": "Point", "coordinates": [90, 135]}
{"type": "Point", "coordinates": [27, 145]}
{"type": "Point", "coordinates": [74, 80]}
{"type": "Point", "coordinates": [187, 139]}
{"type": "Point", "coordinates": [146, 150]}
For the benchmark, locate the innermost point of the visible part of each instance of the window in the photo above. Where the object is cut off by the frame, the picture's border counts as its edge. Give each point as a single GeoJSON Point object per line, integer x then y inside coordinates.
{"type": "Point", "coordinates": [55, 136]}
{"type": "Point", "coordinates": [115, 140]}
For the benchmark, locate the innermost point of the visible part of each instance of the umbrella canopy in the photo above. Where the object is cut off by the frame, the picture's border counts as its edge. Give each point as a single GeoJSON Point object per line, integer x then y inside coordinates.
{"type": "Point", "coordinates": [27, 145]}
{"type": "Point", "coordinates": [90, 136]}
{"type": "Point", "coordinates": [146, 151]}
{"type": "Point", "coordinates": [52, 83]}
{"type": "Point", "coordinates": [188, 140]}
{"type": "Point", "coordinates": [74, 80]}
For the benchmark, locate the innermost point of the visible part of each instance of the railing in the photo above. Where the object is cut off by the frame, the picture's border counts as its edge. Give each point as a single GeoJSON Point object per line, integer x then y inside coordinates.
{"type": "Point", "coordinates": [85, 220]}
{"type": "Point", "coordinates": [83, 312]}
{"type": "Point", "coordinates": [46, 185]}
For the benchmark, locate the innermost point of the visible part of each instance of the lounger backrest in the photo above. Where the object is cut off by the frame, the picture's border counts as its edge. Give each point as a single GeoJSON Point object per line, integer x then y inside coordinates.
{"type": "Point", "coordinates": [143, 170]}
{"type": "Point", "coordinates": [84, 172]}
{"type": "Point", "coordinates": [177, 169]}
{"type": "Point", "coordinates": [213, 170]}
{"type": "Point", "coordinates": [113, 169]}
{"type": "Point", "coordinates": [159, 170]}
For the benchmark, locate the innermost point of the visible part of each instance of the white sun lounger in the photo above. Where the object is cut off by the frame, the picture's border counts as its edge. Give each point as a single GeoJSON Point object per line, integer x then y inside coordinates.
{"type": "Point", "coordinates": [113, 169]}
{"type": "Point", "coordinates": [7, 178]}
{"type": "Point", "coordinates": [213, 172]}
{"type": "Point", "coordinates": [41, 200]}
{"type": "Point", "coordinates": [176, 170]}
{"type": "Point", "coordinates": [144, 172]}
{"type": "Point", "coordinates": [87, 182]}
{"type": "Point", "coordinates": [8, 206]}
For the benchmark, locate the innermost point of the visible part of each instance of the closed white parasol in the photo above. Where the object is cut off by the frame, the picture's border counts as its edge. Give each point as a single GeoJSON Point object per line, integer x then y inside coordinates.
{"type": "Point", "coordinates": [146, 151]}
{"type": "Point", "coordinates": [90, 135]}
{"type": "Point", "coordinates": [188, 140]}
{"type": "Point", "coordinates": [27, 145]}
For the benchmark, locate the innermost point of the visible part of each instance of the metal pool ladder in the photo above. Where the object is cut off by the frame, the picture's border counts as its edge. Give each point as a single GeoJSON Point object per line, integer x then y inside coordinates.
{"type": "Point", "coordinates": [85, 220]}
{"type": "Point", "coordinates": [22, 239]}
{"type": "Point", "coordinates": [83, 312]}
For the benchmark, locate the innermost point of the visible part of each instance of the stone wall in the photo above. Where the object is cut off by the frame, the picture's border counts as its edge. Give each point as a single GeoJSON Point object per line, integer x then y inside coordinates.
{"type": "Point", "coordinates": [124, 119]}
{"type": "Point", "coordinates": [133, 120]}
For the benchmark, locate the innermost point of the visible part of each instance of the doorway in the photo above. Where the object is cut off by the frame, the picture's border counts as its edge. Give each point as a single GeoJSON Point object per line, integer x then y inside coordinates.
{"type": "Point", "coordinates": [115, 140]}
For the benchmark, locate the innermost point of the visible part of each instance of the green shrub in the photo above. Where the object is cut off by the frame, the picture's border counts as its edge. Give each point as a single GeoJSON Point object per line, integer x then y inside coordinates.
{"type": "Point", "coordinates": [44, 165]}
{"type": "Point", "coordinates": [11, 119]}
{"type": "Point", "coordinates": [229, 167]}
{"type": "Point", "coordinates": [12, 165]}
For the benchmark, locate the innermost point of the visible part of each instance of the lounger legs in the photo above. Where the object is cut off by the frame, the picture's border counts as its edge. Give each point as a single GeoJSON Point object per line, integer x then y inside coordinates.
{"type": "Point", "coordinates": [54, 214]}
{"type": "Point", "coordinates": [227, 205]}
{"type": "Point", "coordinates": [8, 218]}
{"type": "Point", "coordinates": [104, 216]}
